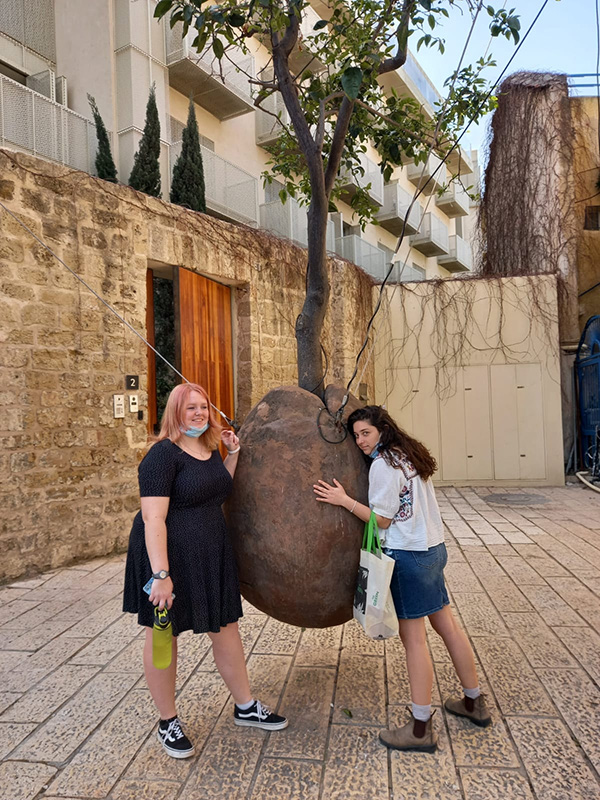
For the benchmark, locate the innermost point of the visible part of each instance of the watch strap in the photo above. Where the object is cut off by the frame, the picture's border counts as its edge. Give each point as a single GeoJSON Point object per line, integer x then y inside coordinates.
{"type": "Point", "coordinates": [160, 575]}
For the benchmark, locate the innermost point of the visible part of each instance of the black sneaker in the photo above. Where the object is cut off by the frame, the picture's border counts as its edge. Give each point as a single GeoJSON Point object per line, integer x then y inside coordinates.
{"type": "Point", "coordinates": [173, 739]}
{"type": "Point", "coordinates": [259, 716]}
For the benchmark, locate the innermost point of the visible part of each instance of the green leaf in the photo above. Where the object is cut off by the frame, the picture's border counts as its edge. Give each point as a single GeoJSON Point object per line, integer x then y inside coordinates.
{"type": "Point", "coordinates": [162, 7]}
{"type": "Point", "coordinates": [322, 23]}
{"type": "Point", "coordinates": [283, 196]}
{"type": "Point", "coordinates": [347, 712]}
{"type": "Point", "coordinates": [490, 10]}
{"type": "Point", "coordinates": [236, 20]}
{"type": "Point", "coordinates": [188, 12]}
{"type": "Point", "coordinates": [200, 20]}
{"type": "Point", "coordinates": [218, 48]}
{"type": "Point", "coordinates": [431, 21]}
{"type": "Point", "coordinates": [175, 18]}
{"type": "Point", "coordinates": [351, 81]}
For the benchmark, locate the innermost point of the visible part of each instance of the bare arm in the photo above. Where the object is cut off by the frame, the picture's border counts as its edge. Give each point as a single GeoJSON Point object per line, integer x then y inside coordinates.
{"type": "Point", "coordinates": [336, 496]}
{"type": "Point", "coordinates": [154, 514]}
{"type": "Point", "coordinates": [232, 443]}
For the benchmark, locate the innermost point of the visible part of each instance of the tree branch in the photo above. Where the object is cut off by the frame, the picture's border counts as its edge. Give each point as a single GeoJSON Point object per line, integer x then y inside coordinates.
{"type": "Point", "coordinates": [338, 143]}
{"type": "Point", "coordinates": [394, 63]}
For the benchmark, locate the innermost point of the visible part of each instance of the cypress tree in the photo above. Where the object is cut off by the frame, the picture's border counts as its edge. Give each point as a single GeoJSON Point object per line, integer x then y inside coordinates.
{"type": "Point", "coordinates": [187, 186]}
{"type": "Point", "coordinates": [145, 175]}
{"type": "Point", "coordinates": [105, 166]}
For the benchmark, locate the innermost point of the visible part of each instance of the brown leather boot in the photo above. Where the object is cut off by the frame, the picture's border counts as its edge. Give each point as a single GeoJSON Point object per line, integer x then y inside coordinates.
{"type": "Point", "coordinates": [474, 709]}
{"type": "Point", "coordinates": [415, 736]}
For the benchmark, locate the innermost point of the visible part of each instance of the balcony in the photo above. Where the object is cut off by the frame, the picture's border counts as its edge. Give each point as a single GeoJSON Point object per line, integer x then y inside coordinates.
{"type": "Point", "coordinates": [459, 258]}
{"type": "Point", "coordinates": [454, 202]}
{"type": "Point", "coordinates": [33, 123]}
{"type": "Point", "coordinates": [429, 177]}
{"type": "Point", "coordinates": [289, 220]}
{"type": "Point", "coordinates": [268, 128]}
{"type": "Point", "coordinates": [231, 193]}
{"type": "Point", "coordinates": [459, 162]}
{"type": "Point", "coordinates": [371, 177]}
{"type": "Point", "coordinates": [432, 237]}
{"type": "Point", "coordinates": [225, 95]}
{"type": "Point", "coordinates": [363, 254]}
{"type": "Point", "coordinates": [396, 202]}
{"type": "Point", "coordinates": [412, 81]}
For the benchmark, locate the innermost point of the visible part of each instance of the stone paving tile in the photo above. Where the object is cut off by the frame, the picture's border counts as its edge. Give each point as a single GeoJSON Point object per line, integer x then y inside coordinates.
{"type": "Point", "coordinates": [19, 781]}
{"type": "Point", "coordinates": [485, 565]}
{"type": "Point", "coordinates": [356, 766]}
{"type": "Point", "coordinates": [578, 701]}
{"type": "Point", "coordinates": [551, 607]}
{"type": "Point", "coordinates": [426, 775]}
{"type": "Point", "coordinates": [479, 614]}
{"type": "Point", "coordinates": [60, 736]}
{"type": "Point", "coordinates": [37, 704]}
{"type": "Point", "coordinates": [143, 790]}
{"type": "Point", "coordinates": [100, 619]}
{"type": "Point", "coordinates": [12, 734]}
{"type": "Point", "coordinates": [15, 610]}
{"type": "Point", "coordinates": [519, 570]}
{"type": "Point", "coordinates": [356, 642]}
{"type": "Point", "coordinates": [130, 659]}
{"type": "Point", "coordinates": [505, 595]}
{"type": "Point", "coordinates": [95, 769]}
{"type": "Point", "coordinates": [584, 644]}
{"type": "Point", "coordinates": [227, 764]}
{"type": "Point", "coordinates": [319, 647]}
{"type": "Point", "coordinates": [487, 784]}
{"type": "Point", "coordinates": [279, 779]}
{"type": "Point", "coordinates": [515, 684]}
{"type": "Point", "coordinates": [36, 666]}
{"type": "Point", "coordinates": [191, 649]}
{"type": "Point", "coordinates": [579, 597]}
{"type": "Point", "coordinates": [307, 703]}
{"type": "Point", "coordinates": [461, 578]}
{"type": "Point", "coordinates": [538, 641]}
{"type": "Point", "coordinates": [555, 765]}
{"type": "Point", "coordinates": [7, 699]}
{"type": "Point", "coordinates": [360, 690]}
{"type": "Point", "coordinates": [277, 637]}
{"type": "Point", "coordinates": [105, 647]}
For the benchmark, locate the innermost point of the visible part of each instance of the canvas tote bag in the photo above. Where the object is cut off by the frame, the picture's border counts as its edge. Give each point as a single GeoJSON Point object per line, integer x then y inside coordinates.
{"type": "Point", "coordinates": [373, 604]}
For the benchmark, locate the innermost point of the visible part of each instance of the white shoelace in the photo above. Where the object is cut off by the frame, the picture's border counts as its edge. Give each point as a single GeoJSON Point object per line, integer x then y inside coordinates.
{"type": "Point", "coordinates": [262, 711]}
{"type": "Point", "coordinates": [174, 731]}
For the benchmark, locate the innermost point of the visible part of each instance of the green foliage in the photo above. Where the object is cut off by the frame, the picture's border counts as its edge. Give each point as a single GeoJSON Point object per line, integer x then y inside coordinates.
{"type": "Point", "coordinates": [105, 165]}
{"type": "Point", "coordinates": [145, 175]}
{"type": "Point", "coordinates": [187, 186]}
{"type": "Point", "coordinates": [351, 51]}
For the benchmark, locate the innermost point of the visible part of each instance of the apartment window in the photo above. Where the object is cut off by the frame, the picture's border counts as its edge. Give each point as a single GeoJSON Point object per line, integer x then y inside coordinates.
{"type": "Point", "coordinates": [592, 218]}
{"type": "Point", "coordinates": [458, 227]}
{"type": "Point", "coordinates": [413, 272]}
{"type": "Point", "coordinates": [12, 73]}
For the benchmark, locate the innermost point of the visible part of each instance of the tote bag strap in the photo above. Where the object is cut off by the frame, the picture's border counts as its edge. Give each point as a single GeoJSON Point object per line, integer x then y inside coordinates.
{"type": "Point", "coordinates": [371, 542]}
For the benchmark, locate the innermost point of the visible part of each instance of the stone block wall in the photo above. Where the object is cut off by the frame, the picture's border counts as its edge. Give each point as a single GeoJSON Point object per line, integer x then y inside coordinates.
{"type": "Point", "coordinates": [69, 469]}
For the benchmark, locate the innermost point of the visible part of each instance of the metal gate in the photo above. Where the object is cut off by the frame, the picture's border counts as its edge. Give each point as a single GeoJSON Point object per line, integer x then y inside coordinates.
{"type": "Point", "coordinates": [587, 365]}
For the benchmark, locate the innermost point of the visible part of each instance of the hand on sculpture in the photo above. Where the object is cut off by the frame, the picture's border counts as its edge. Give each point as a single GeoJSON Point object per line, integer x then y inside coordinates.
{"type": "Point", "coordinates": [230, 440]}
{"type": "Point", "coordinates": [335, 495]}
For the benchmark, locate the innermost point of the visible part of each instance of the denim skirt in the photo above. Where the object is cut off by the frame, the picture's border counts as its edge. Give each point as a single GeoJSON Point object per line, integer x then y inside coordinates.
{"type": "Point", "coordinates": [418, 587]}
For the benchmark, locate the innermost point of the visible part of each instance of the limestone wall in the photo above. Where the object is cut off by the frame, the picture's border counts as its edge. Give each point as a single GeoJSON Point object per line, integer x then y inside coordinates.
{"type": "Point", "coordinates": [69, 485]}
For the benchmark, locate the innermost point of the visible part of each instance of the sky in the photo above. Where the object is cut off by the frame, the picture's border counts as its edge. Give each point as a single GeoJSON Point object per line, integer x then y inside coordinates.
{"type": "Point", "coordinates": [564, 39]}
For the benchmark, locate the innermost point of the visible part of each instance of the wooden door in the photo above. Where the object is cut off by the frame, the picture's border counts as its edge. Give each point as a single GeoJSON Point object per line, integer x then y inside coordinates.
{"type": "Point", "coordinates": [204, 336]}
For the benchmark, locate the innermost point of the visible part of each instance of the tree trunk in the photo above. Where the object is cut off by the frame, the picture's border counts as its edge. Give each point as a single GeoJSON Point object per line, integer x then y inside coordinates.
{"type": "Point", "coordinates": [309, 324]}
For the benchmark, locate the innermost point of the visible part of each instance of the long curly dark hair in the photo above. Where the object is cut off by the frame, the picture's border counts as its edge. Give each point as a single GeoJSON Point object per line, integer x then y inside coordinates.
{"type": "Point", "coordinates": [395, 443]}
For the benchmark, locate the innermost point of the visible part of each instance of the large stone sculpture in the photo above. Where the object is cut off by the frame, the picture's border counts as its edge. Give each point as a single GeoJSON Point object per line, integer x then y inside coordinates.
{"type": "Point", "coordinates": [297, 558]}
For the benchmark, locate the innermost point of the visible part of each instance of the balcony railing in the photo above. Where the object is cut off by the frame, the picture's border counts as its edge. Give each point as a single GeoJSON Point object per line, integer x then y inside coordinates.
{"type": "Point", "coordinates": [454, 202]}
{"type": "Point", "coordinates": [427, 176]}
{"type": "Point", "coordinates": [222, 88]}
{"type": "Point", "coordinates": [432, 236]}
{"type": "Point", "coordinates": [371, 176]}
{"type": "Point", "coordinates": [459, 258]}
{"type": "Point", "coordinates": [268, 127]}
{"type": "Point", "coordinates": [460, 162]}
{"type": "Point", "coordinates": [33, 123]}
{"type": "Point", "coordinates": [396, 202]}
{"type": "Point", "coordinates": [290, 221]}
{"type": "Point", "coordinates": [231, 193]}
{"type": "Point", "coordinates": [363, 254]}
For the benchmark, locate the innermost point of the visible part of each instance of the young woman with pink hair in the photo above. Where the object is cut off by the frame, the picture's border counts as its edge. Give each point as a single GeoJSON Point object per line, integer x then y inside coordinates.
{"type": "Point", "coordinates": [180, 539]}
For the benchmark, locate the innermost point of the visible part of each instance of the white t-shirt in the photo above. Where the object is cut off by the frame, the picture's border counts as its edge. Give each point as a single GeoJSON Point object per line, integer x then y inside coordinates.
{"type": "Point", "coordinates": [401, 495]}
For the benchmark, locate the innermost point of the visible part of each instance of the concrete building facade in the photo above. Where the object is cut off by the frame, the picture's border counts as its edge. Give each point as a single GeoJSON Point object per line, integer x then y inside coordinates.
{"type": "Point", "coordinates": [115, 50]}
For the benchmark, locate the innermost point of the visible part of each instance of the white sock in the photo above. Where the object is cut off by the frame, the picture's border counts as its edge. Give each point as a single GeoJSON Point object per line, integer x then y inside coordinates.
{"type": "Point", "coordinates": [472, 693]}
{"type": "Point", "coordinates": [245, 706]}
{"type": "Point", "coordinates": [421, 712]}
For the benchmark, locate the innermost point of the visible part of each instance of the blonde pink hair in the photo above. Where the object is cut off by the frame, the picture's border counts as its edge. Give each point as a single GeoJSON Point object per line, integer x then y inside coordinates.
{"type": "Point", "coordinates": [173, 421]}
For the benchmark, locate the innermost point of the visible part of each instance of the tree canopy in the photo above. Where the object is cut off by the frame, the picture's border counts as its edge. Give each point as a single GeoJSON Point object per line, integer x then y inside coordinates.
{"type": "Point", "coordinates": [332, 71]}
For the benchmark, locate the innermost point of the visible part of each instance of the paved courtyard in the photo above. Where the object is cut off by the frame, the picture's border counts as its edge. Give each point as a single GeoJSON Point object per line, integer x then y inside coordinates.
{"type": "Point", "coordinates": [76, 719]}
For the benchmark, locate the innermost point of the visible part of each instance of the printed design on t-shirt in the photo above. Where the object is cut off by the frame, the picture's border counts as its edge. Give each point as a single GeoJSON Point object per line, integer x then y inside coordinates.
{"type": "Point", "coordinates": [405, 511]}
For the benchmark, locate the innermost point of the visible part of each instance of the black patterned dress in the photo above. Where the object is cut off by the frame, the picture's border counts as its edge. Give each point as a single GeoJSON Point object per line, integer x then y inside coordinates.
{"type": "Point", "coordinates": [201, 559]}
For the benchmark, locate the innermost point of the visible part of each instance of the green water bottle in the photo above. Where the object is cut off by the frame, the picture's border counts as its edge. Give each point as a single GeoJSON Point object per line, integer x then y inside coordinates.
{"type": "Point", "coordinates": [162, 639]}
